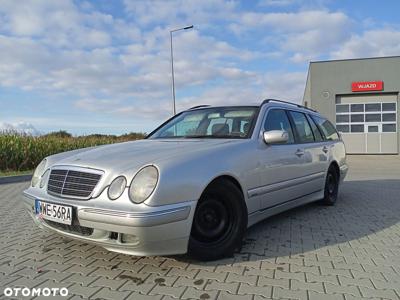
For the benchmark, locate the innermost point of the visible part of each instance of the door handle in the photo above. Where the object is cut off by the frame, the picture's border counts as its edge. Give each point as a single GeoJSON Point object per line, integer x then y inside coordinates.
{"type": "Point", "coordinates": [325, 149]}
{"type": "Point", "coordinates": [299, 152]}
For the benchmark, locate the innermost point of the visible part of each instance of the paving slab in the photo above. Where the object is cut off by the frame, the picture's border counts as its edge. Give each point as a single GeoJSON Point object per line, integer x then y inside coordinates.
{"type": "Point", "coordinates": [349, 251]}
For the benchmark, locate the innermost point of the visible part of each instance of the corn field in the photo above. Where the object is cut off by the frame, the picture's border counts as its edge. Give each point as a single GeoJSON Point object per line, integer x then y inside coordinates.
{"type": "Point", "coordinates": [24, 152]}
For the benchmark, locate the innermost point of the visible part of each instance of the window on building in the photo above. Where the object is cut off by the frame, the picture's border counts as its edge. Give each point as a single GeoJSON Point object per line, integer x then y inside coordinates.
{"type": "Point", "coordinates": [342, 108]}
{"type": "Point", "coordinates": [357, 128]}
{"type": "Point", "coordinates": [372, 117]}
{"type": "Point", "coordinates": [357, 118]}
{"type": "Point", "coordinates": [342, 118]}
{"type": "Point", "coordinates": [357, 107]}
{"type": "Point", "coordinates": [388, 127]}
{"type": "Point", "coordinates": [343, 128]}
{"type": "Point", "coordinates": [361, 115]}
{"type": "Point", "coordinates": [373, 128]}
{"type": "Point", "coordinates": [372, 107]}
{"type": "Point", "coordinates": [388, 117]}
{"type": "Point", "coordinates": [389, 106]}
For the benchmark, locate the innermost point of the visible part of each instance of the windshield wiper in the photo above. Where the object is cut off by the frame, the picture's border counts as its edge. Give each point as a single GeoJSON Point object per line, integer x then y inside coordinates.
{"type": "Point", "coordinates": [195, 136]}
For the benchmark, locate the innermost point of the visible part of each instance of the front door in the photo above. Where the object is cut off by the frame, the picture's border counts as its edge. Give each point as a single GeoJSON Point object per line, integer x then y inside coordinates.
{"type": "Point", "coordinates": [280, 165]}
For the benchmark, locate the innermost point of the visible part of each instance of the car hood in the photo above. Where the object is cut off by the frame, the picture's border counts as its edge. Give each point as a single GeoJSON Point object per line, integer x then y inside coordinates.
{"type": "Point", "coordinates": [128, 155]}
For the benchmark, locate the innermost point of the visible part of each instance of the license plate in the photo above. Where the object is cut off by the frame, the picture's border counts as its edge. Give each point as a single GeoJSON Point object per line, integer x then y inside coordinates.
{"type": "Point", "coordinates": [54, 212]}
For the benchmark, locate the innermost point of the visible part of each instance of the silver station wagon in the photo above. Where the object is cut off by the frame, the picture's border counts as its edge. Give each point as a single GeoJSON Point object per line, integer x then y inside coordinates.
{"type": "Point", "coordinates": [194, 184]}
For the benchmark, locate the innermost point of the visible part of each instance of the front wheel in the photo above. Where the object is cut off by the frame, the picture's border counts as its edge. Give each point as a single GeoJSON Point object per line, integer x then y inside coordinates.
{"type": "Point", "coordinates": [331, 187]}
{"type": "Point", "coordinates": [219, 223]}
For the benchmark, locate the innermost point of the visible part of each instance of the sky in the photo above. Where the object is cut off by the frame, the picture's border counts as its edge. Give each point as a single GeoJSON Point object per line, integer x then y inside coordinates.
{"type": "Point", "coordinates": [104, 66]}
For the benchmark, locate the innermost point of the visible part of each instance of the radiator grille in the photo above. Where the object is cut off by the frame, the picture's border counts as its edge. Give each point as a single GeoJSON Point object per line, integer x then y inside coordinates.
{"type": "Point", "coordinates": [71, 183]}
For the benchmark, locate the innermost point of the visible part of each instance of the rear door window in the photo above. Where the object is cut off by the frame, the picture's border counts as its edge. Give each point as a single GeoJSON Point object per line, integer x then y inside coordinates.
{"type": "Point", "coordinates": [302, 127]}
{"type": "Point", "coordinates": [327, 128]}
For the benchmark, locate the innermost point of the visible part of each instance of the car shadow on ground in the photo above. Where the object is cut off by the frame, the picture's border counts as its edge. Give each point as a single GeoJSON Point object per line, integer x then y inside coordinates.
{"type": "Point", "coordinates": [364, 207]}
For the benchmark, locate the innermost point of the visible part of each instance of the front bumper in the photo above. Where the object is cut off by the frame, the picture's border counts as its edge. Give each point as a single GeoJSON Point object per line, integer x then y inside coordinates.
{"type": "Point", "coordinates": [161, 230]}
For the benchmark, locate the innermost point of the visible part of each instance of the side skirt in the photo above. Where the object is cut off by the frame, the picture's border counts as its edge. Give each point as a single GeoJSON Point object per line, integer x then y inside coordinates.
{"type": "Point", "coordinates": [274, 210]}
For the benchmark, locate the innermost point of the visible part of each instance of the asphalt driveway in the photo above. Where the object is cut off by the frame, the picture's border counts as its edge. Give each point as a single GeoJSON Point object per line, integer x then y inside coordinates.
{"type": "Point", "coordinates": [349, 251]}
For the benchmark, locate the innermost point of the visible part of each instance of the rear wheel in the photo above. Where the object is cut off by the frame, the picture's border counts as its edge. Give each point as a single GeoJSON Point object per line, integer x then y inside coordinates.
{"type": "Point", "coordinates": [331, 187]}
{"type": "Point", "coordinates": [219, 223]}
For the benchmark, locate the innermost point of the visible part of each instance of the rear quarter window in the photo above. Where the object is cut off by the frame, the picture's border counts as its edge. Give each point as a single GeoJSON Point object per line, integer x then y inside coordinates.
{"type": "Point", "coordinates": [326, 128]}
{"type": "Point", "coordinates": [316, 131]}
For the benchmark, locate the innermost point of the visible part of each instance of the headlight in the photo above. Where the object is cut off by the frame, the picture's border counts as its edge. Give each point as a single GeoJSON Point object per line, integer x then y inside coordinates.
{"type": "Point", "coordinates": [38, 172]}
{"type": "Point", "coordinates": [45, 178]}
{"type": "Point", "coordinates": [143, 184]}
{"type": "Point", "coordinates": [116, 187]}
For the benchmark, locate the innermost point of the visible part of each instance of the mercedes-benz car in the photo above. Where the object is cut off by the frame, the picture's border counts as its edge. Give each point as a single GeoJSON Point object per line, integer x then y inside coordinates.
{"type": "Point", "coordinates": [194, 184]}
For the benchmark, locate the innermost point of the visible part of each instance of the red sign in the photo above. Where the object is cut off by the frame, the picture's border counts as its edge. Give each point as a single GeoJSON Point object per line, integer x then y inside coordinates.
{"type": "Point", "coordinates": [367, 86]}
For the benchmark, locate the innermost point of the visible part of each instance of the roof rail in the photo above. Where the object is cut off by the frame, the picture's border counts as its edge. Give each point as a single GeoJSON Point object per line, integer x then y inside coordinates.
{"type": "Point", "coordinates": [199, 106]}
{"type": "Point", "coordinates": [287, 102]}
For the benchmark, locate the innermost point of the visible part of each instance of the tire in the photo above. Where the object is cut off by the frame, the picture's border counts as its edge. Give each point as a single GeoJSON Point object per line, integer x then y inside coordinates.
{"type": "Point", "coordinates": [331, 190]}
{"type": "Point", "coordinates": [219, 222]}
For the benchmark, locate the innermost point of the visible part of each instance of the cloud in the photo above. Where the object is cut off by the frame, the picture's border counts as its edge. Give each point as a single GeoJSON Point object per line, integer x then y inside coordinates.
{"type": "Point", "coordinates": [380, 42]}
{"type": "Point", "coordinates": [113, 60]}
{"type": "Point", "coordinates": [295, 21]}
{"type": "Point", "coordinates": [62, 24]}
{"type": "Point", "coordinates": [287, 86]}
{"type": "Point", "coordinates": [89, 66]}
{"type": "Point", "coordinates": [277, 2]}
{"type": "Point", "coordinates": [279, 85]}
{"type": "Point", "coordinates": [141, 110]}
{"type": "Point", "coordinates": [302, 35]}
{"type": "Point", "coordinates": [180, 12]}
{"type": "Point", "coordinates": [20, 127]}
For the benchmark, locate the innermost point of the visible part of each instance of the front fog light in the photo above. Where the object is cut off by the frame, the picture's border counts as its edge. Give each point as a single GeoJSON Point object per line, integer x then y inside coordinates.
{"type": "Point", "coordinates": [129, 238]}
{"type": "Point", "coordinates": [116, 187]}
{"type": "Point", "coordinates": [143, 184]}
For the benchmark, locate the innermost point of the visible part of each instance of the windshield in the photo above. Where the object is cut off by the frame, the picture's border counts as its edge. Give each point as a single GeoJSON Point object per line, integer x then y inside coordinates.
{"type": "Point", "coordinates": [215, 122]}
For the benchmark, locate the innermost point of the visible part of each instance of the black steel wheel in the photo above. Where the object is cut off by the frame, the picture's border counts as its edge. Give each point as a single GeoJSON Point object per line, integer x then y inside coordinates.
{"type": "Point", "coordinates": [331, 187]}
{"type": "Point", "coordinates": [219, 223]}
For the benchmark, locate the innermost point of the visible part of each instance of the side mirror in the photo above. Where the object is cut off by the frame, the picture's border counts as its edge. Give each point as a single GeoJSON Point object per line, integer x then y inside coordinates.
{"type": "Point", "coordinates": [276, 137]}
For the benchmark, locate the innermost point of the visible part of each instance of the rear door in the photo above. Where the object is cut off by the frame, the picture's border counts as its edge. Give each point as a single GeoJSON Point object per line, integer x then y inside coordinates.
{"type": "Point", "coordinates": [330, 135]}
{"type": "Point", "coordinates": [314, 150]}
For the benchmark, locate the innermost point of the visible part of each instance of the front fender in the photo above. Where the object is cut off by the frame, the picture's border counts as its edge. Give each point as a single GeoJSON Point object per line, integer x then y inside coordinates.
{"type": "Point", "coordinates": [185, 179]}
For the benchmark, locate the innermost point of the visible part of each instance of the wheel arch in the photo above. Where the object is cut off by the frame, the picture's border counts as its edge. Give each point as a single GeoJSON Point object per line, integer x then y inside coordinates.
{"type": "Point", "coordinates": [227, 177]}
{"type": "Point", "coordinates": [233, 180]}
